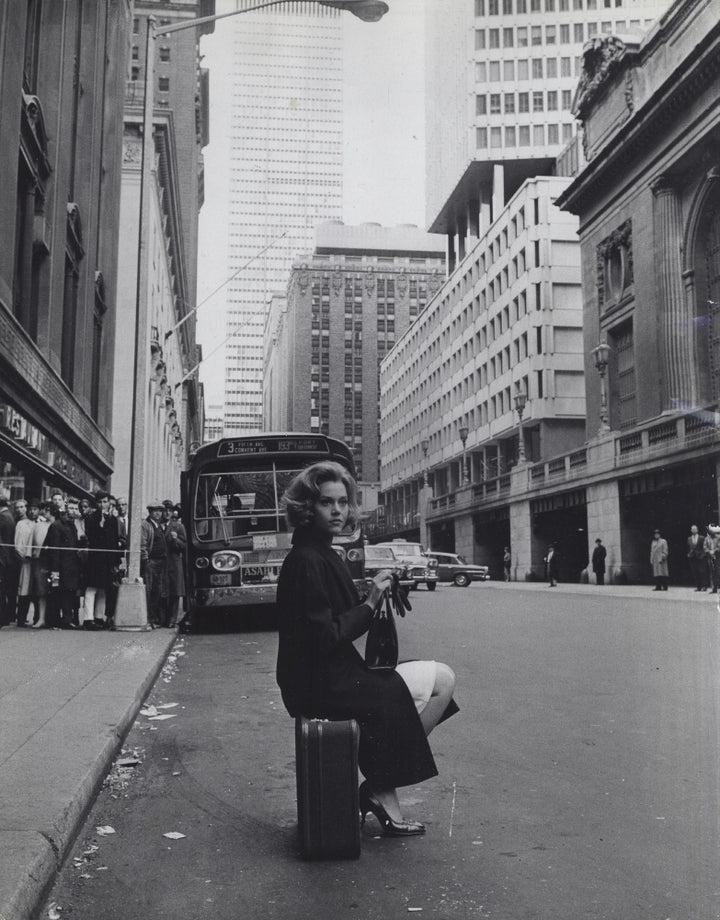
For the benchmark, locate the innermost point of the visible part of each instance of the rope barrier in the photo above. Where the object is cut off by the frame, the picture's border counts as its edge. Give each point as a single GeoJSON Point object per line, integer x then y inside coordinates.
{"type": "Point", "coordinates": [76, 549]}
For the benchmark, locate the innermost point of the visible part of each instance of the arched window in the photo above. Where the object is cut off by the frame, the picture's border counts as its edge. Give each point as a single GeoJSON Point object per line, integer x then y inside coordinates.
{"type": "Point", "coordinates": [702, 272]}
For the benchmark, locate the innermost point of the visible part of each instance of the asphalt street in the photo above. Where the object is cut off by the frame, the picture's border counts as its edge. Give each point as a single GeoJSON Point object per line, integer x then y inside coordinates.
{"type": "Point", "coordinates": [579, 780]}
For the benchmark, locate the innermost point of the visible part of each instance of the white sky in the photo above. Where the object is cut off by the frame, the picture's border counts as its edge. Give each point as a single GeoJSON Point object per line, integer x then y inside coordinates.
{"type": "Point", "coordinates": [384, 178]}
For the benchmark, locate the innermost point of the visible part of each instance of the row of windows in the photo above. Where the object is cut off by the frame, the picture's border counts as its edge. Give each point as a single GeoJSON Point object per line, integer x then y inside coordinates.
{"type": "Point", "coordinates": [510, 103]}
{"type": "Point", "coordinates": [551, 34]}
{"type": "Point", "coordinates": [527, 69]}
{"type": "Point", "coordinates": [520, 136]}
{"type": "Point", "coordinates": [508, 8]}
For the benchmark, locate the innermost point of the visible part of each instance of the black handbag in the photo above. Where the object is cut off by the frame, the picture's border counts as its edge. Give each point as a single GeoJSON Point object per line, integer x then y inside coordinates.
{"type": "Point", "coordinates": [381, 646]}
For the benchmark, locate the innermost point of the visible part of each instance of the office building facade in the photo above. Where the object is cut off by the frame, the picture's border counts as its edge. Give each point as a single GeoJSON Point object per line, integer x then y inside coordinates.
{"type": "Point", "coordinates": [156, 390]}
{"type": "Point", "coordinates": [62, 76]}
{"type": "Point", "coordinates": [347, 304]}
{"type": "Point", "coordinates": [501, 75]}
{"type": "Point", "coordinates": [285, 117]}
{"type": "Point", "coordinates": [503, 339]}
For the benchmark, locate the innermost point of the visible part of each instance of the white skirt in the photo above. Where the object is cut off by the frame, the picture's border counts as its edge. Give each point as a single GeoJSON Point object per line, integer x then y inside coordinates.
{"type": "Point", "coordinates": [420, 679]}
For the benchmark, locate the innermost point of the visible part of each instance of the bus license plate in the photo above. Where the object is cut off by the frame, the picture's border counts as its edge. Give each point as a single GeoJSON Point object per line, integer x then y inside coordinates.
{"type": "Point", "coordinates": [224, 579]}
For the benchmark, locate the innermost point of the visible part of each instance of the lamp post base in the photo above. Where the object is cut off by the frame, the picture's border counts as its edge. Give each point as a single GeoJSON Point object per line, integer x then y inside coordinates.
{"type": "Point", "coordinates": [131, 611]}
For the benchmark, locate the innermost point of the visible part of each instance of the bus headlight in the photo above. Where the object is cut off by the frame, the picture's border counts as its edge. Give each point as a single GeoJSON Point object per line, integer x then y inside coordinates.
{"type": "Point", "coordinates": [202, 562]}
{"type": "Point", "coordinates": [226, 562]}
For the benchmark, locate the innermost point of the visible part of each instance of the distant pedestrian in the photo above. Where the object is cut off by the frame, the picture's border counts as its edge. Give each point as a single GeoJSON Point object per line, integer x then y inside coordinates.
{"type": "Point", "coordinates": [551, 565]}
{"type": "Point", "coordinates": [659, 561]}
{"type": "Point", "coordinates": [507, 563]}
{"type": "Point", "coordinates": [8, 564]}
{"type": "Point", "coordinates": [598, 561]}
{"type": "Point", "coordinates": [711, 545]}
{"type": "Point", "coordinates": [697, 558]}
{"type": "Point", "coordinates": [176, 542]}
{"type": "Point", "coordinates": [153, 562]}
{"type": "Point", "coordinates": [41, 571]}
{"type": "Point", "coordinates": [63, 562]}
{"type": "Point", "coordinates": [101, 530]}
{"type": "Point", "coordinates": [24, 527]}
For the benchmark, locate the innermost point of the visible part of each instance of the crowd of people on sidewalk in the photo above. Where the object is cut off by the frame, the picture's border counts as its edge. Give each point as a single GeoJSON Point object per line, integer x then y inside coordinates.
{"type": "Point", "coordinates": [62, 561]}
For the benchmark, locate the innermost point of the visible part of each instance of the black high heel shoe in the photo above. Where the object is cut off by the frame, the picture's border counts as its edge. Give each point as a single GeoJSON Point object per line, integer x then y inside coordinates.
{"type": "Point", "coordinates": [390, 827]}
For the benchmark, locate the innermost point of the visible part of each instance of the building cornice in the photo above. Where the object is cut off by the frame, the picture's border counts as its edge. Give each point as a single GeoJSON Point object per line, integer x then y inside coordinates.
{"type": "Point", "coordinates": [646, 127]}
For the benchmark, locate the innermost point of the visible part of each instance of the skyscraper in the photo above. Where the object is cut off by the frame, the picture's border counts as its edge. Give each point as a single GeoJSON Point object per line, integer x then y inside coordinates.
{"type": "Point", "coordinates": [501, 75]}
{"type": "Point", "coordinates": [284, 110]}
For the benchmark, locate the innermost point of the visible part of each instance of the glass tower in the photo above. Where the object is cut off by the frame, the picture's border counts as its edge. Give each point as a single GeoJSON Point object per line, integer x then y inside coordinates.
{"type": "Point", "coordinates": [285, 119]}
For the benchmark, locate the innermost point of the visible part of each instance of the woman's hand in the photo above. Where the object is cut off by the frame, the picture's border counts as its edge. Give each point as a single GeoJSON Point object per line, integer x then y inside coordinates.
{"type": "Point", "coordinates": [378, 586]}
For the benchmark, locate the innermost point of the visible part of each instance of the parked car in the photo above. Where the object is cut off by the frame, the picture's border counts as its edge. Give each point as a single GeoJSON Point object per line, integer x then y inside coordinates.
{"type": "Point", "coordinates": [420, 568]}
{"type": "Point", "coordinates": [454, 568]}
{"type": "Point", "coordinates": [378, 558]}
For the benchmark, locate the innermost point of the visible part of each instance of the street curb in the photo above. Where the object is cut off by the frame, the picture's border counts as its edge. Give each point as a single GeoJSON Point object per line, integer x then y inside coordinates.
{"type": "Point", "coordinates": [43, 855]}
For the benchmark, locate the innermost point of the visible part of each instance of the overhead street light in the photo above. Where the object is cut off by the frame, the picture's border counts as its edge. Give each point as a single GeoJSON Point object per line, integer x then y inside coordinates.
{"type": "Point", "coordinates": [366, 10]}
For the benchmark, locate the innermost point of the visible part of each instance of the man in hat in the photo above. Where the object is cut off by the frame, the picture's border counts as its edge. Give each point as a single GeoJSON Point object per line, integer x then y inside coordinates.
{"type": "Point", "coordinates": [153, 562]}
{"type": "Point", "coordinates": [598, 561]}
{"type": "Point", "coordinates": [101, 531]}
{"type": "Point", "coordinates": [711, 545]}
{"type": "Point", "coordinates": [551, 565]}
{"type": "Point", "coordinates": [696, 558]}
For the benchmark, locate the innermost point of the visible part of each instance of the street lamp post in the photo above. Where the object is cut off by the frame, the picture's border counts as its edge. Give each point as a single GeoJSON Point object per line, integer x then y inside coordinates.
{"type": "Point", "coordinates": [463, 437]}
{"type": "Point", "coordinates": [601, 356]}
{"type": "Point", "coordinates": [132, 608]}
{"type": "Point", "coordinates": [521, 399]}
{"type": "Point", "coordinates": [424, 444]}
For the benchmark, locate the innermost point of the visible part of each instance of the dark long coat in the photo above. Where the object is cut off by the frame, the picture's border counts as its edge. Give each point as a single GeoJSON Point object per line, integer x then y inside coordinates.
{"type": "Point", "coordinates": [103, 541]}
{"type": "Point", "coordinates": [322, 675]}
{"type": "Point", "coordinates": [175, 558]}
{"type": "Point", "coordinates": [60, 553]}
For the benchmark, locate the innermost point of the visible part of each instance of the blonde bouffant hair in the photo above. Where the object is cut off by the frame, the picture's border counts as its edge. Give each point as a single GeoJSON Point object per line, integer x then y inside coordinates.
{"type": "Point", "coordinates": [304, 490]}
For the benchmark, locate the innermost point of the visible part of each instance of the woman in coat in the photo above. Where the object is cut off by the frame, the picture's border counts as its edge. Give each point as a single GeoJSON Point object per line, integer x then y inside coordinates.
{"type": "Point", "coordinates": [320, 672]}
{"type": "Point", "coordinates": [658, 561]}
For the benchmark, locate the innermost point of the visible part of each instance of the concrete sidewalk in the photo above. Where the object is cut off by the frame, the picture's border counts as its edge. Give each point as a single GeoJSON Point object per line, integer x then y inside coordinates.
{"type": "Point", "coordinates": [677, 594]}
{"type": "Point", "coordinates": [67, 699]}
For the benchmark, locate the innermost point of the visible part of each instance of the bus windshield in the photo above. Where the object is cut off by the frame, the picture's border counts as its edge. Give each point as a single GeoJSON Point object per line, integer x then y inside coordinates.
{"type": "Point", "coordinates": [241, 503]}
{"type": "Point", "coordinates": [238, 535]}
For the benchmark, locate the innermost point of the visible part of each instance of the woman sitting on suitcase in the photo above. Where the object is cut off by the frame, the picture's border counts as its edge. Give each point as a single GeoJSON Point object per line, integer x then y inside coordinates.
{"type": "Point", "coordinates": [319, 670]}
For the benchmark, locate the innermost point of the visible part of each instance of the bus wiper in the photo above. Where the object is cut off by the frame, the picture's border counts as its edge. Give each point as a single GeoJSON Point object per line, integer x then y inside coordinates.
{"type": "Point", "coordinates": [218, 505]}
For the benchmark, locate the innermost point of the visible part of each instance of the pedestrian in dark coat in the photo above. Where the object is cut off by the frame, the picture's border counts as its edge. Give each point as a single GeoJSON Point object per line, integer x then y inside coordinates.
{"type": "Point", "coordinates": [552, 565]}
{"type": "Point", "coordinates": [320, 672]}
{"type": "Point", "coordinates": [175, 544]}
{"type": "Point", "coordinates": [598, 561]}
{"type": "Point", "coordinates": [60, 555]}
{"type": "Point", "coordinates": [8, 563]}
{"type": "Point", "coordinates": [103, 541]}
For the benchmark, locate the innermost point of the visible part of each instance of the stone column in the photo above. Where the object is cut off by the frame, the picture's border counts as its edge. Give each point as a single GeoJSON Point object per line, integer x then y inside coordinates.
{"type": "Point", "coordinates": [677, 327]}
{"type": "Point", "coordinates": [451, 258]}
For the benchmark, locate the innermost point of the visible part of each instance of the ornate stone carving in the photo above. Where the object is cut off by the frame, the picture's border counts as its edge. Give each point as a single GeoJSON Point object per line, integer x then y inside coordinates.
{"type": "Point", "coordinates": [337, 281]}
{"type": "Point", "coordinates": [614, 254]}
{"type": "Point", "coordinates": [369, 281]}
{"type": "Point", "coordinates": [132, 153]}
{"type": "Point", "coordinates": [601, 57]}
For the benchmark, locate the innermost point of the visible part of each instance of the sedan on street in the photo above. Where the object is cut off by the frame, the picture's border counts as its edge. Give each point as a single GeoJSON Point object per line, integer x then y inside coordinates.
{"type": "Point", "coordinates": [453, 568]}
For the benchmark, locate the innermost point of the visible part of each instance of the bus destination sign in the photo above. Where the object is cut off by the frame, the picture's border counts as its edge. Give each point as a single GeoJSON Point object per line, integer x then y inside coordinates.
{"type": "Point", "coordinates": [244, 446]}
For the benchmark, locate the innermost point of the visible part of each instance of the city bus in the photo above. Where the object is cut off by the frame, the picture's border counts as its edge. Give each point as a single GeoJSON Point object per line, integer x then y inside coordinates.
{"type": "Point", "coordinates": [237, 533]}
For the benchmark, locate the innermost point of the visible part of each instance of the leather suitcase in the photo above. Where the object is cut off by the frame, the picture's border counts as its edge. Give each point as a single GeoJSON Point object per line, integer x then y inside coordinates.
{"type": "Point", "coordinates": [326, 768]}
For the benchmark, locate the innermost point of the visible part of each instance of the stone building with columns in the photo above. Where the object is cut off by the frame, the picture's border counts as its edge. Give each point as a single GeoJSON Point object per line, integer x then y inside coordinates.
{"type": "Point", "coordinates": [649, 208]}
